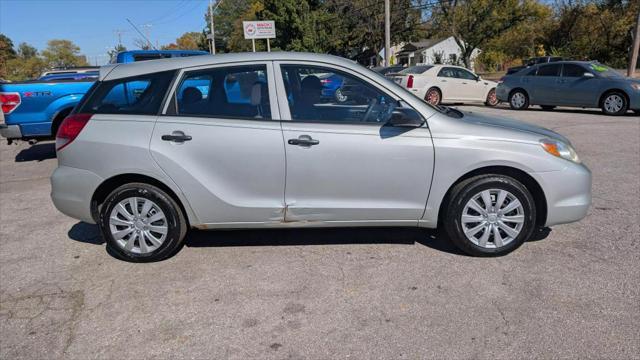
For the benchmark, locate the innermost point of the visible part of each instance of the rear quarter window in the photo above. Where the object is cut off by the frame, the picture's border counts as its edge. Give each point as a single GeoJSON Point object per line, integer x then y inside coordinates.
{"type": "Point", "coordinates": [139, 95]}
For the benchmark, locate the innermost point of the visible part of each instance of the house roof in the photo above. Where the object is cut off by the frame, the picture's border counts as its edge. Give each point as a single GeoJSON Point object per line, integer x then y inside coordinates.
{"type": "Point", "coordinates": [418, 46]}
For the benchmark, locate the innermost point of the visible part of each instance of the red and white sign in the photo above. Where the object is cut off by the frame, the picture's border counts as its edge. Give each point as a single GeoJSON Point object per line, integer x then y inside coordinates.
{"type": "Point", "coordinates": [259, 29]}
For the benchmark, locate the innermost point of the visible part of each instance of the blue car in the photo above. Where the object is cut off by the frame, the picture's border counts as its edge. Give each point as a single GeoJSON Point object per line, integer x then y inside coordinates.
{"type": "Point", "coordinates": [571, 83]}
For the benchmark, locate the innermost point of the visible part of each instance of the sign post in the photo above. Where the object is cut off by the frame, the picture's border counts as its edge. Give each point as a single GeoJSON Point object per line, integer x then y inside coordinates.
{"type": "Point", "coordinates": [259, 30]}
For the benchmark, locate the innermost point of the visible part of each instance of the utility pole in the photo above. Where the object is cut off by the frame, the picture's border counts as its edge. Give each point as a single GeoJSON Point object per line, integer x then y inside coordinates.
{"type": "Point", "coordinates": [633, 57]}
{"type": "Point", "coordinates": [213, 30]}
{"type": "Point", "coordinates": [387, 33]}
{"type": "Point", "coordinates": [119, 33]}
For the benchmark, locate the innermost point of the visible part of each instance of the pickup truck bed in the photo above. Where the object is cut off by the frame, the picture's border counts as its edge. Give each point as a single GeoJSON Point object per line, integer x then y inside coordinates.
{"type": "Point", "coordinates": [42, 105]}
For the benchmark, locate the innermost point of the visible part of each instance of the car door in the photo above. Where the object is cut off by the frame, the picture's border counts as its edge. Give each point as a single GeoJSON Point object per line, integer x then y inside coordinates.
{"type": "Point", "coordinates": [470, 88]}
{"type": "Point", "coordinates": [576, 89]}
{"type": "Point", "coordinates": [220, 140]}
{"type": "Point", "coordinates": [545, 85]}
{"type": "Point", "coordinates": [344, 164]}
{"type": "Point", "coordinates": [449, 84]}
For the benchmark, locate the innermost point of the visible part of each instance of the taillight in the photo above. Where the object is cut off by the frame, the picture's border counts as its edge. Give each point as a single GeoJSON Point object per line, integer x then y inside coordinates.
{"type": "Point", "coordinates": [70, 129]}
{"type": "Point", "coordinates": [9, 101]}
{"type": "Point", "coordinates": [410, 82]}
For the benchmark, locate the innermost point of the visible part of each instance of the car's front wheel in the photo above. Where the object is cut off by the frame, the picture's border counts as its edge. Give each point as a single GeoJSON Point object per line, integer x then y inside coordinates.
{"type": "Point", "coordinates": [518, 100]}
{"type": "Point", "coordinates": [490, 215]}
{"type": "Point", "coordinates": [142, 223]}
{"type": "Point", "coordinates": [433, 96]}
{"type": "Point", "coordinates": [614, 103]}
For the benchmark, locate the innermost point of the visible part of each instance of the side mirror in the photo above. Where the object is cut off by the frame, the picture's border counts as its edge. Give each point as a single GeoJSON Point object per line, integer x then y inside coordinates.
{"type": "Point", "coordinates": [478, 78]}
{"type": "Point", "coordinates": [588, 75]}
{"type": "Point", "coordinates": [405, 117]}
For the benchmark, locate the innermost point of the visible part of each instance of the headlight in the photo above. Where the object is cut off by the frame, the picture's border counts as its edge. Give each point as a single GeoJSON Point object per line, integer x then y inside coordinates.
{"type": "Point", "coordinates": [635, 86]}
{"type": "Point", "coordinates": [560, 149]}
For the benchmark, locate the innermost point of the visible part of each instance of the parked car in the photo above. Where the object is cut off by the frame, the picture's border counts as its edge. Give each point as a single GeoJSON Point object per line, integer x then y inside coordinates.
{"type": "Point", "coordinates": [571, 83]}
{"type": "Point", "coordinates": [34, 109]}
{"type": "Point", "coordinates": [534, 61]}
{"type": "Point", "coordinates": [384, 70]}
{"type": "Point", "coordinates": [381, 157]}
{"type": "Point", "coordinates": [446, 84]}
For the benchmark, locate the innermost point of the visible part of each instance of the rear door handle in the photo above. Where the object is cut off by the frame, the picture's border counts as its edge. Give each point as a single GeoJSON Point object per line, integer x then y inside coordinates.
{"type": "Point", "coordinates": [303, 140]}
{"type": "Point", "coordinates": [177, 136]}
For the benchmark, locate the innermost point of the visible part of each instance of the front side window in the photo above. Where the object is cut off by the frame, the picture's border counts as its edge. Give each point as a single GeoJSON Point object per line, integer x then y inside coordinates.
{"type": "Point", "coordinates": [464, 74]}
{"type": "Point", "coordinates": [573, 70]}
{"type": "Point", "coordinates": [327, 95]}
{"type": "Point", "coordinates": [549, 70]}
{"type": "Point", "coordinates": [238, 92]}
{"type": "Point", "coordinates": [139, 95]}
{"type": "Point", "coordinates": [447, 72]}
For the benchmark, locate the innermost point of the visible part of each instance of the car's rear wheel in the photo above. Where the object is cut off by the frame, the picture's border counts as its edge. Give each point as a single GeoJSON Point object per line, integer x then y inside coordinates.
{"type": "Point", "coordinates": [142, 223]}
{"type": "Point", "coordinates": [490, 215]}
{"type": "Point", "coordinates": [547, 107]}
{"type": "Point", "coordinates": [492, 98]}
{"type": "Point", "coordinates": [614, 103]}
{"type": "Point", "coordinates": [518, 100]}
{"type": "Point", "coordinates": [433, 96]}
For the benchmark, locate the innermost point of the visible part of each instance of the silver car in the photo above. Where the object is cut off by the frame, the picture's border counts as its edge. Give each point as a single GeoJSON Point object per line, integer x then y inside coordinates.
{"type": "Point", "coordinates": [281, 139]}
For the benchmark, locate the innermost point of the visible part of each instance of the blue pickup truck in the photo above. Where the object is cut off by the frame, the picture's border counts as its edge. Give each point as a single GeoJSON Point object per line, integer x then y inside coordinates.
{"type": "Point", "coordinates": [34, 109]}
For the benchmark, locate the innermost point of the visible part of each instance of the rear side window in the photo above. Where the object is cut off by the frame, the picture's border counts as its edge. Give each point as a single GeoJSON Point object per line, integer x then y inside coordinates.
{"type": "Point", "coordinates": [419, 69]}
{"type": "Point", "coordinates": [237, 92]}
{"type": "Point", "coordinates": [573, 70]}
{"type": "Point", "coordinates": [139, 95]}
{"type": "Point", "coordinates": [549, 70]}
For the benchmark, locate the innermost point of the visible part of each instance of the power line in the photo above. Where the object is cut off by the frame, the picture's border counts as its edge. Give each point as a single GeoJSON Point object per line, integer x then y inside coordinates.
{"type": "Point", "coordinates": [141, 34]}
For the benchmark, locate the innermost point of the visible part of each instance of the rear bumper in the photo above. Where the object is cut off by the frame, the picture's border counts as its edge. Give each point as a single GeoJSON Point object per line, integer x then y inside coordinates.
{"type": "Point", "coordinates": [10, 131]}
{"type": "Point", "coordinates": [72, 190]}
{"type": "Point", "coordinates": [568, 193]}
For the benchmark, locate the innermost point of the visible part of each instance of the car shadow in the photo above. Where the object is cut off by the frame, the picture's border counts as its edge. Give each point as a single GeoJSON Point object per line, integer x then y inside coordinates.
{"type": "Point", "coordinates": [535, 108]}
{"type": "Point", "coordinates": [37, 152]}
{"type": "Point", "coordinates": [434, 239]}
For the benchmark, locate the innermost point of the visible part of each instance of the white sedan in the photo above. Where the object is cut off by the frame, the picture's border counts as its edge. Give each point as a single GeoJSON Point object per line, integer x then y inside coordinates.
{"type": "Point", "coordinates": [446, 83]}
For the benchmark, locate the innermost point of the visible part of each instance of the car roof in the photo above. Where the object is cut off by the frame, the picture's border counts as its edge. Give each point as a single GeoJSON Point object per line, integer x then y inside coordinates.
{"type": "Point", "coordinates": [117, 71]}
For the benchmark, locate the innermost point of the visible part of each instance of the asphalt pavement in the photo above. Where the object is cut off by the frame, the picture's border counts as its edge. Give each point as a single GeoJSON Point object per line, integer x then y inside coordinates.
{"type": "Point", "coordinates": [329, 293]}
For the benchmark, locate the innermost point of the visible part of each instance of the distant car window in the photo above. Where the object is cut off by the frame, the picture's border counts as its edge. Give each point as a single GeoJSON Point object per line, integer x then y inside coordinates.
{"type": "Point", "coordinates": [549, 70]}
{"type": "Point", "coordinates": [531, 72]}
{"type": "Point", "coordinates": [237, 92]}
{"type": "Point", "coordinates": [144, 57]}
{"type": "Point", "coordinates": [419, 69]}
{"type": "Point", "coordinates": [604, 71]}
{"type": "Point", "coordinates": [327, 95]}
{"type": "Point", "coordinates": [139, 95]}
{"type": "Point", "coordinates": [573, 70]}
{"type": "Point", "coordinates": [464, 74]}
{"type": "Point", "coordinates": [447, 72]}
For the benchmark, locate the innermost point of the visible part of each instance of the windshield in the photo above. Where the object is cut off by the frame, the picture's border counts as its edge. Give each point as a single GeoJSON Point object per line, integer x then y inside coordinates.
{"type": "Point", "coordinates": [419, 69]}
{"type": "Point", "coordinates": [604, 71]}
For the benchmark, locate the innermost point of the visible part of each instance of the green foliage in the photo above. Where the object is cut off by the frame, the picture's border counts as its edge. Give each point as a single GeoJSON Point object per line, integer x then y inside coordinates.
{"type": "Point", "coordinates": [26, 51]}
{"type": "Point", "coordinates": [6, 53]}
{"type": "Point", "coordinates": [63, 53]}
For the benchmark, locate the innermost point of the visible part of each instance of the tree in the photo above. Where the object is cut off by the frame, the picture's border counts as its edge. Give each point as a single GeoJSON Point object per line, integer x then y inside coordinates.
{"type": "Point", "coordinates": [189, 41]}
{"type": "Point", "coordinates": [63, 53]}
{"type": "Point", "coordinates": [26, 51]}
{"type": "Point", "coordinates": [113, 53]}
{"type": "Point", "coordinates": [474, 23]}
{"type": "Point", "coordinates": [6, 53]}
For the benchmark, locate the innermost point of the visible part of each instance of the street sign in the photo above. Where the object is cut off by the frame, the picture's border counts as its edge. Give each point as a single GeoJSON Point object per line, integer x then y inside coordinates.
{"type": "Point", "coordinates": [259, 29]}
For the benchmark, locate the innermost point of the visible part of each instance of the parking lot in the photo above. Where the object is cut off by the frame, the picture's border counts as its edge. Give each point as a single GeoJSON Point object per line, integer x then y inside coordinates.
{"type": "Point", "coordinates": [329, 293]}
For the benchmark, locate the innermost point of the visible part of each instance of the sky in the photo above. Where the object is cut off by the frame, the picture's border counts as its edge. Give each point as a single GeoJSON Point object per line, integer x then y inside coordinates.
{"type": "Point", "coordinates": [92, 24]}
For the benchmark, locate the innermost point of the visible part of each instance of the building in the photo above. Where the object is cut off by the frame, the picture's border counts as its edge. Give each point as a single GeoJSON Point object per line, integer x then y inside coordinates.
{"type": "Point", "coordinates": [432, 51]}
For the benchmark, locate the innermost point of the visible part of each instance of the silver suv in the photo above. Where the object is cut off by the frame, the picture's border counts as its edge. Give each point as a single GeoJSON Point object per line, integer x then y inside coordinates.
{"type": "Point", "coordinates": [289, 140]}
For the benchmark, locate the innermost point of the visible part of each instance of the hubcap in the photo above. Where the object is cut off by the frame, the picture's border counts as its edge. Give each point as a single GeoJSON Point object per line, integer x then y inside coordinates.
{"type": "Point", "coordinates": [138, 225]}
{"type": "Point", "coordinates": [493, 99]}
{"type": "Point", "coordinates": [518, 100]}
{"type": "Point", "coordinates": [613, 103]}
{"type": "Point", "coordinates": [492, 218]}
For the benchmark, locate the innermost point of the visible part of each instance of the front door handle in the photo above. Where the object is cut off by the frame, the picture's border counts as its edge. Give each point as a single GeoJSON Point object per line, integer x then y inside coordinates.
{"type": "Point", "coordinates": [177, 136]}
{"type": "Point", "coordinates": [303, 140]}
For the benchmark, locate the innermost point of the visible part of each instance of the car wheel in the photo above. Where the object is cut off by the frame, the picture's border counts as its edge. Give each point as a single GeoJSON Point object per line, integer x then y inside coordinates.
{"type": "Point", "coordinates": [614, 103]}
{"type": "Point", "coordinates": [490, 215]}
{"type": "Point", "coordinates": [433, 96]}
{"type": "Point", "coordinates": [518, 100]}
{"type": "Point", "coordinates": [142, 223]}
{"type": "Point", "coordinates": [547, 107]}
{"type": "Point", "coordinates": [492, 98]}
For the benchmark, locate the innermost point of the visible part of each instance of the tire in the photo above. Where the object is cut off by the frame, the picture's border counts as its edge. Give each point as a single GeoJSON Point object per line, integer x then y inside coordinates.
{"type": "Point", "coordinates": [469, 189]}
{"type": "Point", "coordinates": [492, 99]}
{"type": "Point", "coordinates": [160, 204]}
{"type": "Point", "coordinates": [547, 107]}
{"type": "Point", "coordinates": [614, 103]}
{"type": "Point", "coordinates": [518, 100]}
{"type": "Point", "coordinates": [433, 96]}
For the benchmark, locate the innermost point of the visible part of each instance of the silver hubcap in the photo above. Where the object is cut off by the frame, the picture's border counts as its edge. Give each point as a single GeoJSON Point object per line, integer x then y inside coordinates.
{"type": "Point", "coordinates": [613, 103]}
{"type": "Point", "coordinates": [518, 100]}
{"type": "Point", "coordinates": [492, 218]}
{"type": "Point", "coordinates": [138, 225]}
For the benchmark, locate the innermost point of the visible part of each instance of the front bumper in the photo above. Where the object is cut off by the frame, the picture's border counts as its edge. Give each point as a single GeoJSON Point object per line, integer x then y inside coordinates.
{"type": "Point", "coordinates": [568, 193]}
{"type": "Point", "coordinates": [10, 131]}
{"type": "Point", "coordinates": [72, 190]}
